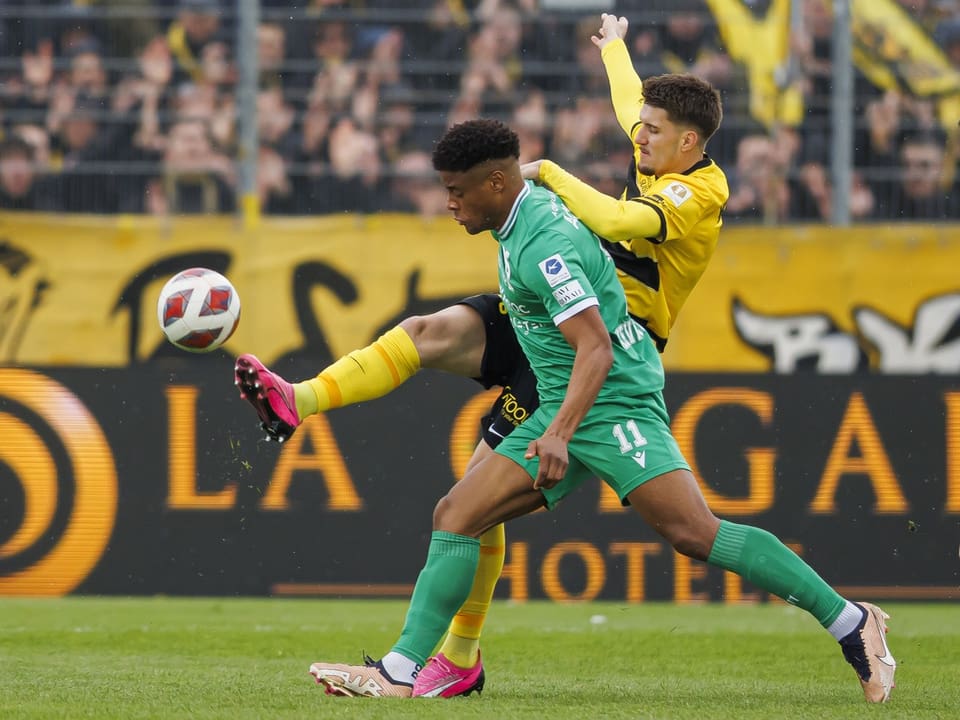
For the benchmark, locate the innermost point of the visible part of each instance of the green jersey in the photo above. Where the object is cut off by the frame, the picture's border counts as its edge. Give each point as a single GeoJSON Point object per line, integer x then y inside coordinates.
{"type": "Point", "coordinates": [552, 267]}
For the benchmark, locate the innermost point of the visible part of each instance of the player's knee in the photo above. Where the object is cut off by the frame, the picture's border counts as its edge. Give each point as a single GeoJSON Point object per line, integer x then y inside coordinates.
{"type": "Point", "coordinates": [449, 516]}
{"type": "Point", "coordinates": [430, 338]}
{"type": "Point", "coordinates": [694, 541]}
{"type": "Point", "coordinates": [417, 327]}
{"type": "Point", "coordinates": [445, 514]}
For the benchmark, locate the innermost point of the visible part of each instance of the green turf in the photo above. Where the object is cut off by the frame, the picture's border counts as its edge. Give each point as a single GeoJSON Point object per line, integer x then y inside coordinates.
{"type": "Point", "coordinates": [215, 658]}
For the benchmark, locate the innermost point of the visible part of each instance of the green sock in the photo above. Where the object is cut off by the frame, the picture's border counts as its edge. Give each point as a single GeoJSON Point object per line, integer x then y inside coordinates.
{"type": "Point", "coordinates": [441, 589]}
{"type": "Point", "coordinates": [761, 559]}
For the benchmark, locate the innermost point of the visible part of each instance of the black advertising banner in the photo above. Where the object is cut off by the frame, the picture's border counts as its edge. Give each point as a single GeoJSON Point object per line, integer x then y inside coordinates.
{"type": "Point", "coordinates": [155, 480]}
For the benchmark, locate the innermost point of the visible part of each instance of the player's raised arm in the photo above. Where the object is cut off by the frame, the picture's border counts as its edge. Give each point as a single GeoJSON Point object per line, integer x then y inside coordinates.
{"type": "Point", "coordinates": [626, 87]}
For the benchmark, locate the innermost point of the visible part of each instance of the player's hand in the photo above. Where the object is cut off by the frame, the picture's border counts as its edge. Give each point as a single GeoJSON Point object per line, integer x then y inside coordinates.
{"type": "Point", "coordinates": [552, 451]}
{"type": "Point", "coordinates": [531, 170]}
{"type": "Point", "coordinates": [611, 28]}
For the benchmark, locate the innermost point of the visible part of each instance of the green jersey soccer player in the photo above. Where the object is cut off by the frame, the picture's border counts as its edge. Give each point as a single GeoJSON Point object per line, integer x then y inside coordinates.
{"type": "Point", "coordinates": [551, 269]}
{"type": "Point", "coordinates": [601, 413]}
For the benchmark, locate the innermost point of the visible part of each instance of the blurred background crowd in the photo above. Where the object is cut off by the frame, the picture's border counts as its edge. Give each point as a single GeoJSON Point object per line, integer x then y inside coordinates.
{"type": "Point", "coordinates": [131, 106]}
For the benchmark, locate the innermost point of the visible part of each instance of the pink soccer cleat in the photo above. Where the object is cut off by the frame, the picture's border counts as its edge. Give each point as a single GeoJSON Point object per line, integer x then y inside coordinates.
{"type": "Point", "coordinates": [441, 678]}
{"type": "Point", "coordinates": [271, 396]}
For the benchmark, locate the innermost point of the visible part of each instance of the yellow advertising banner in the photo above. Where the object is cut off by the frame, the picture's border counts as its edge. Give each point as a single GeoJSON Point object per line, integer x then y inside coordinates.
{"type": "Point", "coordinates": [824, 299]}
{"type": "Point", "coordinates": [81, 291]}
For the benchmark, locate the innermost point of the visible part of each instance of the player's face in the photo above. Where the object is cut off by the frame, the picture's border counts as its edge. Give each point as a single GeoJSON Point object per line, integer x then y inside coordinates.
{"type": "Point", "coordinates": [663, 144]}
{"type": "Point", "coordinates": [472, 199]}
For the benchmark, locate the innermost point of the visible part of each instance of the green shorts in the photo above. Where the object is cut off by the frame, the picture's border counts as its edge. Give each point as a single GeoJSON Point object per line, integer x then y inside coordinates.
{"type": "Point", "coordinates": [622, 444]}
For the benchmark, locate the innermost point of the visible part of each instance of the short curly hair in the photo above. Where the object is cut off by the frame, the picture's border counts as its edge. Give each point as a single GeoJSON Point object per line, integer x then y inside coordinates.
{"type": "Point", "coordinates": [687, 99]}
{"type": "Point", "coordinates": [470, 143]}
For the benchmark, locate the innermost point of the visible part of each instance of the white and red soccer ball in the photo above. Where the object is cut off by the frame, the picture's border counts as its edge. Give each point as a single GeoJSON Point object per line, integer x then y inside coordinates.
{"type": "Point", "coordinates": [198, 310]}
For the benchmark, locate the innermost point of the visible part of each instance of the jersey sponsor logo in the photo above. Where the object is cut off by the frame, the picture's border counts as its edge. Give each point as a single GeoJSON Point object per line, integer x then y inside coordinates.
{"type": "Point", "coordinates": [569, 292]}
{"type": "Point", "coordinates": [525, 327]}
{"type": "Point", "coordinates": [555, 270]}
{"type": "Point", "coordinates": [677, 192]}
{"type": "Point", "coordinates": [512, 410]}
{"type": "Point", "coordinates": [512, 307]}
{"type": "Point", "coordinates": [628, 333]}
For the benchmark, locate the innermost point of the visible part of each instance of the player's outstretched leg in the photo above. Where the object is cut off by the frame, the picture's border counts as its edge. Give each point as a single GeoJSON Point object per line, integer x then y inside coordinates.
{"type": "Point", "coordinates": [673, 503]}
{"type": "Point", "coordinates": [271, 396]}
{"type": "Point", "coordinates": [364, 374]}
{"type": "Point", "coordinates": [761, 558]}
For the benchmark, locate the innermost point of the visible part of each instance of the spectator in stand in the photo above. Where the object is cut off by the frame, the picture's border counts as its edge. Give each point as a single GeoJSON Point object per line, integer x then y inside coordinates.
{"type": "Point", "coordinates": [146, 92]}
{"type": "Point", "coordinates": [415, 188]}
{"type": "Point", "coordinates": [338, 75]}
{"type": "Point", "coordinates": [272, 54]}
{"type": "Point", "coordinates": [926, 188]}
{"type": "Point", "coordinates": [436, 46]}
{"type": "Point", "coordinates": [494, 70]}
{"type": "Point", "coordinates": [39, 141]}
{"type": "Point", "coordinates": [87, 140]}
{"type": "Point", "coordinates": [20, 188]}
{"type": "Point", "coordinates": [891, 120]}
{"type": "Point", "coordinates": [759, 189]}
{"type": "Point", "coordinates": [589, 79]}
{"type": "Point", "coordinates": [397, 129]}
{"type": "Point", "coordinates": [144, 96]}
{"type": "Point", "coordinates": [27, 94]}
{"type": "Point", "coordinates": [274, 188]}
{"type": "Point", "coordinates": [125, 34]}
{"type": "Point", "coordinates": [647, 52]}
{"type": "Point", "coordinates": [766, 186]}
{"type": "Point", "coordinates": [195, 177]}
{"type": "Point", "coordinates": [197, 25]}
{"type": "Point", "coordinates": [350, 177]}
{"type": "Point", "coordinates": [275, 123]}
{"type": "Point", "coordinates": [690, 43]}
{"type": "Point", "coordinates": [578, 130]}
{"type": "Point", "coordinates": [530, 121]}
{"type": "Point", "coordinates": [87, 74]}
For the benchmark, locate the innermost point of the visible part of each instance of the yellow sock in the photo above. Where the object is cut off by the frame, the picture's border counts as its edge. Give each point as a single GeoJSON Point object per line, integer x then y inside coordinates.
{"type": "Point", "coordinates": [462, 643]}
{"type": "Point", "coordinates": [364, 374]}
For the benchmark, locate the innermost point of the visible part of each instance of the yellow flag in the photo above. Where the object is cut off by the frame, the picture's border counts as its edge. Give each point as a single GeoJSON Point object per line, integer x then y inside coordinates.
{"type": "Point", "coordinates": [894, 52]}
{"type": "Point", "coordinates": [762, 45]}
{"type": "Point", "coordinates": [889, 48]}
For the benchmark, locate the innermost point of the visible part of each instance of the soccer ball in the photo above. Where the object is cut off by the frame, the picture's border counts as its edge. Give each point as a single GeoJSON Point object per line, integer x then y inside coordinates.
{"type": "Point", "coordinates": [198, 310]}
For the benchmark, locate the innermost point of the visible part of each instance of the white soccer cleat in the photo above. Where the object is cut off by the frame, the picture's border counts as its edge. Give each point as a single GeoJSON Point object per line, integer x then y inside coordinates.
{"type": "Point", "coordinates": [867, 651]}
{"type": "Point", "coordinates": [369, 680]}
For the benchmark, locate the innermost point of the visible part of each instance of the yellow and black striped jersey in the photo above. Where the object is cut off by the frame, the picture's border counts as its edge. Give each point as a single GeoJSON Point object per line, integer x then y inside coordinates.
{"type": "Point", "coordinates": [663, 230]}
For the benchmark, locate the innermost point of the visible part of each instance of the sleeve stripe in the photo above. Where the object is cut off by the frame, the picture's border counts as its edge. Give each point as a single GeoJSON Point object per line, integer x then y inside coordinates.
{"type": "Point", "coordinates": [574, 309]}
{"type": "Point", "coordinates": [662, 235]}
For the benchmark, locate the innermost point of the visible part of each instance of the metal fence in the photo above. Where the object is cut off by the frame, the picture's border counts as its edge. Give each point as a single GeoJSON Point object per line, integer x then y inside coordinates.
{"type": "Point", "coordinates": [187, 106]}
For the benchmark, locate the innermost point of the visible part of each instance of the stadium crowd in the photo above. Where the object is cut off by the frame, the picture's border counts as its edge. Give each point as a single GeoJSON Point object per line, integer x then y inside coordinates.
{"type": "Point", "coordinates": [130, 106]}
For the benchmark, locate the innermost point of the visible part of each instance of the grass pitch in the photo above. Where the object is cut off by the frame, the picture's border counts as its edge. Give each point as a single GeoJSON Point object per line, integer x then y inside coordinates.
{"type": "Point", "coordinates": [245, 658]}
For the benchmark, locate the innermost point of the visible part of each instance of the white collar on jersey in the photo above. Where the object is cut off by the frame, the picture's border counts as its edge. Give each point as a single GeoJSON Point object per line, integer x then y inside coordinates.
{"type": "Point", "coordinates": [514, 211]}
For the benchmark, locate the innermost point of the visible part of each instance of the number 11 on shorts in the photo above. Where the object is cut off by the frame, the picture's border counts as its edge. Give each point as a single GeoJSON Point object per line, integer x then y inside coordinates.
{"type": "Point", "coordinates": [629, 439]}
